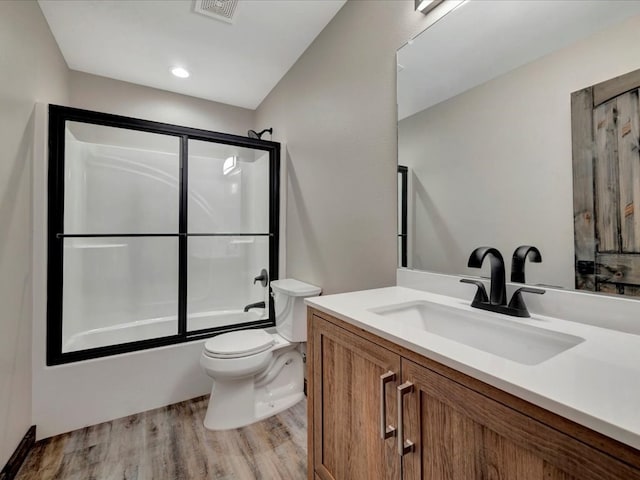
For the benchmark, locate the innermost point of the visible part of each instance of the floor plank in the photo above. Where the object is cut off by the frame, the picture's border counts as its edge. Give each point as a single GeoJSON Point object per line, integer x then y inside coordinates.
{"type": "Point", "coordinates": [171, 443]}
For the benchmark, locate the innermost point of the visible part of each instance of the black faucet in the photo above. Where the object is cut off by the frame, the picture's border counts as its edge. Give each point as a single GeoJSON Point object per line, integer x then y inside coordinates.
{"type": "Point", "coordinates": [254, 305]}
{"type": "Point", "coordinates": [518, 260]}
{"type": "Point", "coordinates": [497, 301]}
{"type": "Point", "coordinates": [498, 295]}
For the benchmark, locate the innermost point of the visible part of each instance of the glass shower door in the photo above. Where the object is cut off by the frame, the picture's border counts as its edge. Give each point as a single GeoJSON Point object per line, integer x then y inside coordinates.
{"type": "Point", "coordinates": [155, 233]}
{"type": "Point", "coordinates": [120, 236]}
{"type": "Point", "coordinates": [227, 235]}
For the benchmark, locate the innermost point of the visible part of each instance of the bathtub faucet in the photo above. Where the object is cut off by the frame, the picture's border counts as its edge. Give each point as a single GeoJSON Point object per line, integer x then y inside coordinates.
{"type": "Point", "coordinates": [254, 305]}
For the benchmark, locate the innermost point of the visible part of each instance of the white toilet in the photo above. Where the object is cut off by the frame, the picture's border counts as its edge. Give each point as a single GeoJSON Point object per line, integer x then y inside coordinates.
{"type": "Point", "coordinates": [256, 373]}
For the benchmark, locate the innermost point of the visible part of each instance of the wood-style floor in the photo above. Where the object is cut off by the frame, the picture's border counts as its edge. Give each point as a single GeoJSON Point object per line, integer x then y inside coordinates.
{"type": "Point", "coordinates": [171, 443]}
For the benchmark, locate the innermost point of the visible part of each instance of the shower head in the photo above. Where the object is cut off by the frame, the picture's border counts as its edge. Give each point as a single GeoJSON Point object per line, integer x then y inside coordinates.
{"type": "Point", "coordinates": [258, 135]}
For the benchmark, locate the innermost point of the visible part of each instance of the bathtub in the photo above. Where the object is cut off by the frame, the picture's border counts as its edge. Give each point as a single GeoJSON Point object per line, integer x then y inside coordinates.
{"type": "Point", "coordinates": [157, 327]}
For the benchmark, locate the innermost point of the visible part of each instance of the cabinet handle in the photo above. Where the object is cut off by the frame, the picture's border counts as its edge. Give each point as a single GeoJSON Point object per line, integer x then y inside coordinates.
{"type": "Point", "coordinates": [386, 431]}
{"type": "Point", "coordinates": [404, 446]}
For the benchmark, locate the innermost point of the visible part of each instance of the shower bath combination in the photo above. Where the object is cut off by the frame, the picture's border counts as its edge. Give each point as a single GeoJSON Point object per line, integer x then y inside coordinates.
{"type": "Point", "coordinates": [155, 239]}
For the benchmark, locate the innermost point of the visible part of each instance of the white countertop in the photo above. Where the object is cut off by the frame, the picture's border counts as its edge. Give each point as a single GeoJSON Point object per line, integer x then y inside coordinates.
{"type": "Point", "coordinates": [595, 383]}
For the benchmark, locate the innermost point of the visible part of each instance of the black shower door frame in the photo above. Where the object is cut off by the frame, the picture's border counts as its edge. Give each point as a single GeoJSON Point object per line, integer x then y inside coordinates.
{"type": "Point", "coordinates": [58, 116]}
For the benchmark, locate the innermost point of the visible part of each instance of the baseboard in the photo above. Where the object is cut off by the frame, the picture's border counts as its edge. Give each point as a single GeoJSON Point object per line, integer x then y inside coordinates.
{"type": "Point", "coordinates": [10, 470]}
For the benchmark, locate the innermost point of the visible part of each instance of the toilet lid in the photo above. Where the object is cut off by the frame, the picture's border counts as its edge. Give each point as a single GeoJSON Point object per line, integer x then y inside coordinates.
{"type": "Point", "coordinates": [239, 344]}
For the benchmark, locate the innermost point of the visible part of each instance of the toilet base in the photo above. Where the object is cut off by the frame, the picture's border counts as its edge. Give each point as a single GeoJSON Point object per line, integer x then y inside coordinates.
{"type": "Point", "coordinates": [238, 403]}
{"type": "Point", "coordinates": [267, 409]}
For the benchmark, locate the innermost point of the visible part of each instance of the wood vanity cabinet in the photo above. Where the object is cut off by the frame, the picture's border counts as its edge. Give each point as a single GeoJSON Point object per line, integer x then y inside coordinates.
{"type": "Point", "coordinates": [454, 427]}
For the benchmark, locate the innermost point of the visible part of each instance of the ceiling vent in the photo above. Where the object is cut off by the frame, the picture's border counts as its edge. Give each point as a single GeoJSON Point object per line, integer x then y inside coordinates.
{"type": "Point", "coordinates": [218, 9]}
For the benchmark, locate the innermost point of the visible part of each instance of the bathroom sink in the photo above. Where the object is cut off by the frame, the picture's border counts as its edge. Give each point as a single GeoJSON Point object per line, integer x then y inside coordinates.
{"type": "Point", "coordinates": [492, 333]}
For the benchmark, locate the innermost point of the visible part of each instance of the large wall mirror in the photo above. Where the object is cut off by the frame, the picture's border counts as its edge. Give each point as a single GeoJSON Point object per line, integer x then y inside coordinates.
{"type": "Point", "coordinates": [485, 131]}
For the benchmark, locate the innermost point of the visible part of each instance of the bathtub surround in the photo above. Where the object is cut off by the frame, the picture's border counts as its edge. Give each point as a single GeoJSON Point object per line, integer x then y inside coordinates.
{"type": "Point", "coordinates": [171, 443]}
{"type": "Point", "coordinates": [32, 70]}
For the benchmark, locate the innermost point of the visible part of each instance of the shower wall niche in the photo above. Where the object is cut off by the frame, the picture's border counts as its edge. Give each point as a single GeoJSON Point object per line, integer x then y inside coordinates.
{"type": "Point", "coordinates": [156, 233]}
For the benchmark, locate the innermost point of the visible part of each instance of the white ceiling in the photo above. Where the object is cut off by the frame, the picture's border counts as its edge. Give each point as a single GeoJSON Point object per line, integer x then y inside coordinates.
{"type": "Point", "coordinates": [139, 40]}
{"type": "Point", "coordinates": [483, 39]}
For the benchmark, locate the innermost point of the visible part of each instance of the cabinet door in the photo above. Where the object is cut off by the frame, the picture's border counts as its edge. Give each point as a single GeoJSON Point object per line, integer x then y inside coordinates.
{"type": "Point", "coordinates": [460, 434]}
{"type": "Point", "coordinates": [346, 388]}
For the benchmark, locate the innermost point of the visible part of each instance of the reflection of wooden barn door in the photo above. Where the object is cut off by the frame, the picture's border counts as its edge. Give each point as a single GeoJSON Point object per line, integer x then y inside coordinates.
{"type": "Point", "coordinates": [606, 185]}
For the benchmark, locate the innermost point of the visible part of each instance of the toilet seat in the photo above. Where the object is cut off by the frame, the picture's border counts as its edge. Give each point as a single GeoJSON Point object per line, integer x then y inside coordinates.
{"type": "Point", "coordinates": [239, 344]}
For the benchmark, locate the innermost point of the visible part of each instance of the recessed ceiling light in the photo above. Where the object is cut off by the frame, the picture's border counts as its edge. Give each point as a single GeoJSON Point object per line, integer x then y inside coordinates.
{"type": "Point", "coordinates": [180, 72]}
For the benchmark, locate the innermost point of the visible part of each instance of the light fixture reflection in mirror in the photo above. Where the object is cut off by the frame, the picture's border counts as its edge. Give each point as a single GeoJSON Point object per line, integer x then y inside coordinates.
{"type": "Point", "coordinates": [485, 126]}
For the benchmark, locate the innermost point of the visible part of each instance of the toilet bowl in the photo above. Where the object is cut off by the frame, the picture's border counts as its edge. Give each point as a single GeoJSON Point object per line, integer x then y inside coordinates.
{"type": "Point", "coordinates": [256, 372]}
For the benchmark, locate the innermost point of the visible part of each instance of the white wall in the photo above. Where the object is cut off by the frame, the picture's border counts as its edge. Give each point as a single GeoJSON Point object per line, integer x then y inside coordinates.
{"type": "Point", "coordinates": [335, 114]}
{"type": "Point", "coordinates": [492, 166]}
{"type": "Point", "coordinates": [32, 70]}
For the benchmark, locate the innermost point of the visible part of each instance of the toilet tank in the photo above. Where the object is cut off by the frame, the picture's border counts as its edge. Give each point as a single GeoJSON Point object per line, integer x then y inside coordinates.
{"type": "Point", "coordinates": [291, 312]}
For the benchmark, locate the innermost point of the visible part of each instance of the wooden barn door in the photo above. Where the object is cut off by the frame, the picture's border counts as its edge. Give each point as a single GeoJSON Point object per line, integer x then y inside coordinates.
{"type": "Point", "coordinates": [606, 185]}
